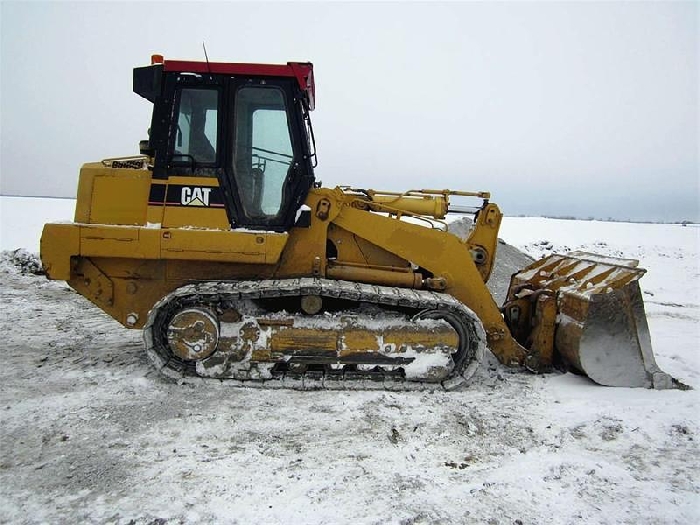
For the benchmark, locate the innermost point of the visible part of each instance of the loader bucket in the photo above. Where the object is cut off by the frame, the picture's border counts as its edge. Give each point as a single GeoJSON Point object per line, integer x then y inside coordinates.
{"type": "Point", "coordinates": [600, 328]}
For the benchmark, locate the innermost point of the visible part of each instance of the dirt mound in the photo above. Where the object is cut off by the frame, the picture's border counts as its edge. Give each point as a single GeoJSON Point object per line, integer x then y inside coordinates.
{"type": "Point", "coordinates": [22, 261]}
{"type": "Point", "coordinates": [508, 260]}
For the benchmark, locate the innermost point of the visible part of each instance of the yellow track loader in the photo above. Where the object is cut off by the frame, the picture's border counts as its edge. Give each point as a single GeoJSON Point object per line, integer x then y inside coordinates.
{"type": "Point", "coordinates": [217, 241]}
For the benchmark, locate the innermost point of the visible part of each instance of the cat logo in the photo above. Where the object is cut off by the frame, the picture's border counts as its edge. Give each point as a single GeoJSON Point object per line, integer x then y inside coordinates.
{"type": "Point", "coordinates": [195, 196]}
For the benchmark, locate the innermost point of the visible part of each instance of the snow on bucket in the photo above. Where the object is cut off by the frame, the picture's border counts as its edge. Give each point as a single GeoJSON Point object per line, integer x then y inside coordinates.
{"type": "Point", "coordinates": [601, 328]}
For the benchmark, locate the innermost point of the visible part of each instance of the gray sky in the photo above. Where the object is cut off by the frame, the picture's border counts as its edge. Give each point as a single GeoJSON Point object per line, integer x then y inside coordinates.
{"type": "Point", "coordinates": [586, 109]}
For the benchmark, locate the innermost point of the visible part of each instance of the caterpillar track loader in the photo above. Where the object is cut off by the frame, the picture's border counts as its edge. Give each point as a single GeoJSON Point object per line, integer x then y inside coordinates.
{"type": "Point", "coordinates": [217, 241]}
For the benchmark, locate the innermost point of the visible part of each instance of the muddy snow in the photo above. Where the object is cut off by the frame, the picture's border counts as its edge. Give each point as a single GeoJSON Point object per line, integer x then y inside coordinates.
{"type": "Point", "coordinates": [88, 433]}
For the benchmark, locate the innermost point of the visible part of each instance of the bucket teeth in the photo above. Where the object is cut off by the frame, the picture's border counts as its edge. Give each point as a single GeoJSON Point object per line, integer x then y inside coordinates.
{"type": "Point", "coordinates": [600, 327]}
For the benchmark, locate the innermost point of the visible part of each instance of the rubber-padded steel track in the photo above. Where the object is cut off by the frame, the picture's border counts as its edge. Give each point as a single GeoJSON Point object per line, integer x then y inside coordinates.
{"type": "Point", "coordinates": [222, 295]}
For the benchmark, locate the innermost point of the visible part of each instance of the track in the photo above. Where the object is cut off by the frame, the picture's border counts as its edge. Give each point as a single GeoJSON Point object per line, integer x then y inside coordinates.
{"type": "Point", "coordinates": [222, 298]}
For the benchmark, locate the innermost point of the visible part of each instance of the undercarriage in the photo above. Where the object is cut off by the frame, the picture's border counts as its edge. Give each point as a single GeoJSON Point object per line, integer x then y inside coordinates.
{"type": "Point", "coordinates": [314, 334]}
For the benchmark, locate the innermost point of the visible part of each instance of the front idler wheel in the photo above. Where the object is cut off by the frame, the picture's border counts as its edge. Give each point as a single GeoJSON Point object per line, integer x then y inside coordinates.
{"type": "Point", "coordinates": [193, 334]}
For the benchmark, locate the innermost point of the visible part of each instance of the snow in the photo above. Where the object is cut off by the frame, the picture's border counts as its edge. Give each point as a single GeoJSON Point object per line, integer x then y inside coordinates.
{"type": "Point", "coordinates": [663, 249]}
{"type": "Point", "coordinates": [90, 434]}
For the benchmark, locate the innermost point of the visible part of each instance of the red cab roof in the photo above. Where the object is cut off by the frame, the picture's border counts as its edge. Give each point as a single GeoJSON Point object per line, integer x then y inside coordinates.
{"type": "Point", "coordinates": [302, 71]}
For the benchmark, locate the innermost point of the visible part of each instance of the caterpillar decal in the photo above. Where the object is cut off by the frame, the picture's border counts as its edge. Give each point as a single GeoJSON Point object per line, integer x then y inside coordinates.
{"type": "Point", "coordinates": [185, 195]}
{"type": "Point", "coordinates": [195, 196]}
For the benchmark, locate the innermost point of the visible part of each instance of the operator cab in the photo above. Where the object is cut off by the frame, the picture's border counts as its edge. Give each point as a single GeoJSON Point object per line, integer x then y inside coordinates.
{"type": "Point", "coordinates": [247, 125]}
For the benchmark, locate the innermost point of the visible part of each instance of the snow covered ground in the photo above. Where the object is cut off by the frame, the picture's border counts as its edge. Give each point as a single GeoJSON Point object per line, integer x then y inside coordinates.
{"type": "Point", "coordinates": [89, 434]}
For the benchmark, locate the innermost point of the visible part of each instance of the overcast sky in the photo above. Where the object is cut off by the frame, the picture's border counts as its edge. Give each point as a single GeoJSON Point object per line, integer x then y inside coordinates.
{"type": "Point", "coordinates": [586, 109]}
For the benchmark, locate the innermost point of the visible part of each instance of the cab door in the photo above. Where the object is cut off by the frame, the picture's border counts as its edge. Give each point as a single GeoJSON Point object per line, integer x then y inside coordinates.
{"type": "Point", "coordinates": [268, 172]}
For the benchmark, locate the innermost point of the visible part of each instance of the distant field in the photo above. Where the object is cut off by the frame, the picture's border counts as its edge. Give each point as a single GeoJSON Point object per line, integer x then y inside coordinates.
{"type": "Point", "coordinates": [22, 218]}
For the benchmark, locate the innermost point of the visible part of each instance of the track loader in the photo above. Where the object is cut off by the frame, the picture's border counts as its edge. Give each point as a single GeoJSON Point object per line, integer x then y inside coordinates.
{"type": "Point", "coordinates": [218, 242]}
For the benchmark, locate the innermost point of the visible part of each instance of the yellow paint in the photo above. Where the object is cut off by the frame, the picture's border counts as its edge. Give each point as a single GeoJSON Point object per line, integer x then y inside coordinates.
{"type": "Point", "coordinates": [226, 246]}
{"type": "Point", "coordinates": [112, 195]}
{"type": "Point", "coordinates": [193, 243]}
{"type": "Point", "coordinates": [367, 274]}
{"type": "Point", "coordinates": [427, 205]}
{"type": "Point", "coordinates": [58, 243]}
{"type": "Point", "coordinates": [445, 256]}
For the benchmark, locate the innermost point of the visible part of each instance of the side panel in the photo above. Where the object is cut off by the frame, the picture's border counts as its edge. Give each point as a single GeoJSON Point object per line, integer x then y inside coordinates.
{"type": "Point", "coordinates": [126, 270]}
{"type": "Point", "coordinates": [112, 195]}
{"type": "Point", "coordinates": [224, 246]}
{"type": "Point", "coordinates": [190, 244]}
{"type": "Point", "coordinates": [114, 241]}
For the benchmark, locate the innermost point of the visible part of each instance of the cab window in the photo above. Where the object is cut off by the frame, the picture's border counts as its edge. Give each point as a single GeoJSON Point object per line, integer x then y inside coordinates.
{"type": "Point", "coordinates": [263, 151]}
{"type": "Point", "coordinates": [196, 135]}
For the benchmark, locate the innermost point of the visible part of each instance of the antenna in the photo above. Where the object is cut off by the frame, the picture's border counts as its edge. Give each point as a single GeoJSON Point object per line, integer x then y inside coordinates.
{"type": "Point", "coordinates": [206, 56]}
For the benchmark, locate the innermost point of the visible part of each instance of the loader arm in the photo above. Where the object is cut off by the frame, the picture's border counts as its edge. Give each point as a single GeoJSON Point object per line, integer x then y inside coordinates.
{"type": "Point", "coordinates": [444, 255]}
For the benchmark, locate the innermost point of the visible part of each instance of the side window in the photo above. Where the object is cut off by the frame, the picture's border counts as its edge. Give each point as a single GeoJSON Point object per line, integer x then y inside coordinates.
{"type": "Point", "coordinates": [197, 126]}
{"type": "Point", "coordinates": [262, 151]}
